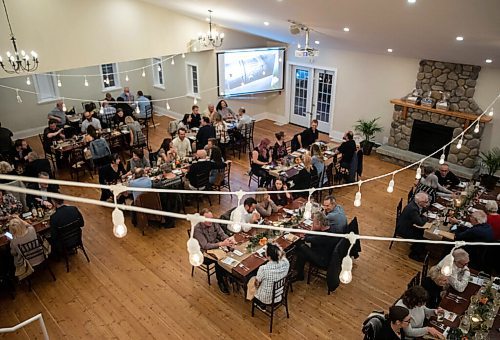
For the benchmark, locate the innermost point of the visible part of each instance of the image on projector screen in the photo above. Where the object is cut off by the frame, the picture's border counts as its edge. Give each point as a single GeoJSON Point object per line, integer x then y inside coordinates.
{"type": "Point", "coordinates": [252, 72]}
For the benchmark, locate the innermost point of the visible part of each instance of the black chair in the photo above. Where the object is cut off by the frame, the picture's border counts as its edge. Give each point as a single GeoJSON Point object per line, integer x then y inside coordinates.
{"type": "Point", "coordinates": [202, 184]}
{"type": "Point", "coordinates": [329, 177]}
{"type": "Point", "coordinates": [70, 240]}
{"type": "Point", "coordinates": [207, 268]}
{"type": "Point", "coordinates": [51, 157]}
{"type": "Point", "coordinates": [399, 209]}
{"type": "Point", "coordinates": [372, 325]}
{"type": "Point", "coordinates": [7, 269]}
{"type": "Point", "coordinates": [280, 290]}
{"type": "Point", "coordinates": [415, 281]}
{"type": "Point", "coordinates": [359, 169]}
{"type": "Point", "coordinates": [251, 175]}
{"type": "Point", "coordinates": [410, 196]}
{"type": "Point", "coordinates": [223, 179]}
{"type": "Point", "coordinates": [425, 266]}
{"type": "Point", "coordinates": [248, 136]}
{"type": "Point", "coordinates": [34, 249]}
{"type": "Point", "coordinates": [78, 163]}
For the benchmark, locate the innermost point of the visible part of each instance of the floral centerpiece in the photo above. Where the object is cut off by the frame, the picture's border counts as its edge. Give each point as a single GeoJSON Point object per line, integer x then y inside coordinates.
{"type": "Point", "coordinates": [258, 239]}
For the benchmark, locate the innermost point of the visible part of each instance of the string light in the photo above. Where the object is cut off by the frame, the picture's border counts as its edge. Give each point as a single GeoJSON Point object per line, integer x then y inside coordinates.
{"type": "Point", "coordinates": [476, 128]}
{"type": "Point", "coordinates": [195, 101]}
{"type": "Point", "coordinates": [119, 227]}
{"type": "Point", "coordinates": [193, 246]}
{"type": "Point", "coordinates": [28, 81]}
{"type": "Point", "coordinates": [491, 113]}
{"type": "Point", "coordinates": [443, 156]}
{"type": "Point", "coordinates": [86, 82]}
{"type": "Point", "coordinates": [448, 261]}
{"type": "Point", "coordinates": [59, 84]}
{"type": "Point", "coordinates": [18, 97]}
{"type": "Point", "coordinates": [308, 207]}
{"type": "Point", "coordinates": [236, 226]}
{"type": "Point", "coordinates": [168, 106]}
{"type": "Point", "coordinates": [418, 175]}
{"type": "Point", "coordinates": [64, 106]}
{"type": "Point", "coordinates": [460, 142]}
{"type": "Point", "coordinates": [172, 62]}
{"type": "Point", "coordinates": [137, 109]}
{"type": "Point", "coordinates": [101, 110]}
{"type": "Point", "coordinates": [126, 76]}
{"type": "Point", "coordinates": [390, 187]}
{"type": "Point", "coordinates": [183, 55]}
{"type": "Point", "coordinates": [346, 272]}
{"type": "Point", "coordinates": [357, 197]}
{"type": "Point", "coordinates": [143, 73]}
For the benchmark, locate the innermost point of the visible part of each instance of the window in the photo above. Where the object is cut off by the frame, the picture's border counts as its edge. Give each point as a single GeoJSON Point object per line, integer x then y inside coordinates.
{"type": "Point", "coordinates": [46, 87]}
{"type": "Point", "coordinates": [110, 78]}
{"type": "Point", "coordinates": [158, 73]}
{"type": "Point", "coordinates": [193, 85]}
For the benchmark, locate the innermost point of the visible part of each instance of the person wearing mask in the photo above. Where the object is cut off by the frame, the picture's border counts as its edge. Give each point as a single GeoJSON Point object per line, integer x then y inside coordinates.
{"type": "Point", "coordinates": [224, 110]}
{"type": "Point", "coordinates": [58, 114]}
{"type": "Point", "coordinates": [335, 215]}
{"type": "Point", "coordinates": [182, 144]}
{"type": "Point", "coordinates": [212, 236]}
{"type": "Point", "coordinates": [89, 120]}
{"type": "Point", "coordinates": [414, 299]}
{"type": "Point", "coordinates": [445, 177]}
{"type": "Point", "coordinates": [64, 216]}
{"type": "Point", "coordinates": [283, 198]}
{"type": "Point", "coordinates": [41, 201]}
{"type": "Point", "coordinates": [460, 273]}
{"type": "Point", "coordinates": [195, 116]}
{"type": "Point", "coordinates": [261, 155]}
{"type": "Point", "coordinates": [279, 148]}
{"type": "Point", "coordinates": [265, 206]}
{"type": "Point", "coordinates": [138, 160]}
{"type": "Point", "coordinates": [308, 136]}
{"type": "Point", "coordinates": [5, 141]}
{"type": "Point", "coordinates": [411, 218]}
{"type": "Point", "coordinates": [275, 269]}
{"type": "Point", "coordinates": [394, 323]}
{"type": "Point", "coordinates": [205, 132]}
{"type": "Point", "coordinates": [143, 102]}
{"type": "Point", "coordinates": [111, 174]}
{"type": "Point", "coordinates": [245, 213]}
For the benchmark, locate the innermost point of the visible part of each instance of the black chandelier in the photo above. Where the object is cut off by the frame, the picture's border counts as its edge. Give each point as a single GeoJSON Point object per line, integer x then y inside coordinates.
{"type": "Point", "coordinates": [18, 62]}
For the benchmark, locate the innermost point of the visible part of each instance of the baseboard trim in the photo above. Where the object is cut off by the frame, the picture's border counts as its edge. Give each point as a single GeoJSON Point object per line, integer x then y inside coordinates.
{"type": "Point", "coordinates": [28, 132]}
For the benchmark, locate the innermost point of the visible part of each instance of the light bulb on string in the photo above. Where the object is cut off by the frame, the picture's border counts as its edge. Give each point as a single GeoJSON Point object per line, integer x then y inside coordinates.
{"type": "Point", "coordinates": [476, 128]}
{"type": "Point", "coordinates": [59, 83]}
{"type": "Point", "coordinates": [18, 97]}
{"type": "Point", "coordinates": [64, 106]}
{"type": "Point", "coordinates": [126, 76]}
{"type": "Point", "coordinates": [119, 227]}
{"type": "Point", "coordinates": [308, 207]}
{"type": "Point", "coordinates": [442, 158]}
{"type": "Point", "coordinates": [460, 142]}
{"type": "Point", "coordinates": [86, 82]}
{"type": "Point", "coordinates": [196, 259]}
{"type": "Point", "coordinates": [195, 101]}
{"type": "Point", "coordinates": [491, 113]}
{"type": "Point", "coordinates": [357, 197]}
{"type": "Point", "coordinates": [447, 268]}
{"type": "Point", "coordinates": [106, 80]}
{"type": "Point", "coordinates": [346, 272]}
{"type": "Point", "coordinates": [28, 81]}
{"type": "Point", "coordinates": [137, 109]}
{"type": "Point", "coordinates": [101, 110]}
{"type": "Point", "coordinates": [418, 175]}
{"type": "Point", "coordinates": [159, 68]}
{"type": "Point", "coordinates": [168, 106]}
{"type": "Point", "coordinates": [172, 62]}
{"type": "Point", "coordinates": [143, 73]}
{"type": "Point", "coordinates": [390, 187]}
{"type": "Point", "coordinates": [183, 55]}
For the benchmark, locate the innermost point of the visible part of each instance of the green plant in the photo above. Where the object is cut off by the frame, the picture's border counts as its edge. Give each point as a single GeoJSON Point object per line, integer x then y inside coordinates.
{"type": "Point", "coordinates": [491, 160]}
{"type": "Point", "coordinates": [368, 128]}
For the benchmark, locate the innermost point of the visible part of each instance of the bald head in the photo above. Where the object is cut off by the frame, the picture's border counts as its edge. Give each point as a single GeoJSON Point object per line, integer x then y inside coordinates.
{"type": "Point", "coordinates": [201, 154]}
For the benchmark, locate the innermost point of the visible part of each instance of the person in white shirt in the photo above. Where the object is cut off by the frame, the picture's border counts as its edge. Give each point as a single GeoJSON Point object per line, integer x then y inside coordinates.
{"type": "Point", "coordinates": [460, 274]}
{"type": "Point", "coordinates": [243, 118]}
{"type": "Point", "coordinates": [245, 213]}
{"type": "Point", "coordinates": [182, 144]}
{"type": "Point", "coordinates": [89, 120]}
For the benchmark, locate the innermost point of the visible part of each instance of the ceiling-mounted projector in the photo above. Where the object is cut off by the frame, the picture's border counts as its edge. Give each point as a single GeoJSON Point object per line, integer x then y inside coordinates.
{"type": "Point", "coordinates": [307, 51]}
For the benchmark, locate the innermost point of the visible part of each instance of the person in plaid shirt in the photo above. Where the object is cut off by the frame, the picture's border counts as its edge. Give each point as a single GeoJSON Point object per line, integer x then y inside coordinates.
{"type": "Point", "coordinates": [274, 270]}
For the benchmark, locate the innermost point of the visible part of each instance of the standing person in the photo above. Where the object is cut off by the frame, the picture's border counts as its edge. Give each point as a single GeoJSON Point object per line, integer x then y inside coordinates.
{"type": "Point", "coordinates": [205, 132]}
{"type": "Point", "coordinates": [5, 141]}
{"type": "Point", "coordinates": [195, 116]}
{"type": "Point", "coordinates": [261, 156]}
{"type": "Point", "coordinates": [308, 136]}
{"type": "Point", "coordinates": [182, 144]}
{"type": "Point", "coordinates": [493, 218]}
{"type": "Point", "coordinates": [211, 236]}
{"type": "Point", "coordinates": [58, 114]}
{"type": "Point", "coordinates": [224, 110]}
{"type": "Point", "coordinates": [218, 164]}
{"type": "Point", "coordinates": [221, 132]}
{"type": "Point", "coordinates": [61, 218]}
{"type": "Point", "coordinates": [274, 270]}
{"type": "Point", "coordinates": [143, 103]}
{"type": "Point", "coordinates": [279, 148]}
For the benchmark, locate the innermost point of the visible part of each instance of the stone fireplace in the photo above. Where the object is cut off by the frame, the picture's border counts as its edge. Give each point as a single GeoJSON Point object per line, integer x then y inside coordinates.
{"type": "Point", "coordinates": [436, 127]}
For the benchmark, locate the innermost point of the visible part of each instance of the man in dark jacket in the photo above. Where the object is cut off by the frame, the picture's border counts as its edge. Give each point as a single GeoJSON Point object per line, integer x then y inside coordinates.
{"type": "Point", "coordinates": [65, 216]}
{"type": "Point", "coordinates": [410, 220]}
{"type": "Point", "coordinates": [479, 232]}
{"type": "Point", "coordinates": [202, 166]}
{"type": "Point", "coordinates": [205, 132]}
{"type": "Point", "coordinates": [446, 177]}
{"type": "Point", "coordinates": [36, 165]}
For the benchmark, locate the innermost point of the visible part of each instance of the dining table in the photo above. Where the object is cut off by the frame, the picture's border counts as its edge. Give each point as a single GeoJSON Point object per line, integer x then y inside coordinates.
{"type": "Point", "coordinates": [41, 225]}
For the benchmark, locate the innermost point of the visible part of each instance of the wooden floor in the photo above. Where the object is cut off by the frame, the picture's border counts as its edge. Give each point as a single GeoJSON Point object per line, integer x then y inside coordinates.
{"type": "Point", "coordinates": [140, 287]}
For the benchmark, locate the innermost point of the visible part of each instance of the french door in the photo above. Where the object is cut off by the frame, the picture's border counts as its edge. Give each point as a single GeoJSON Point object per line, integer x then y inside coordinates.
{"type": "Point", "coordinates": [312, 97]}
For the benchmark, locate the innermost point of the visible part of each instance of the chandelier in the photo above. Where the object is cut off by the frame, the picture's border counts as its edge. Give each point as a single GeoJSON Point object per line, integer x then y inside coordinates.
{"type": "Point", "coordinates": [18, 61]}
{"type": "Point", "coordinates": [212, 37]}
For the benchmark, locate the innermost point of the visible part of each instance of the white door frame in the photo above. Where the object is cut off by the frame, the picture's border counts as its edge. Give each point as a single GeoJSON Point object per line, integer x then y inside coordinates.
{"type": "Point", "coordinates": [289, 84]}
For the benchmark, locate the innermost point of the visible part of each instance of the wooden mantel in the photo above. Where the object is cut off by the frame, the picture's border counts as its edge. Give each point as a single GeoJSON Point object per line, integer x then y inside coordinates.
{"type": "Point", "coordinates": [467, 116]}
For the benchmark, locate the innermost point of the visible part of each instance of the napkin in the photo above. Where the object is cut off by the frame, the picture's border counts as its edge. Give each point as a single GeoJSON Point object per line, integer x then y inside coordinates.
{"type": "Point", "coordinates": [230, 261]}
{"type": "Point", "coordinates": [438, 206]}
{"type": "Point", "coordinates": [218, 253]}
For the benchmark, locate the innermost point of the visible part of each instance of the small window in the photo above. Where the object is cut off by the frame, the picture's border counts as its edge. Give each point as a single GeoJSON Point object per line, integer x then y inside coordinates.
{"type": "Point", "coordinates": [46, 87]}
{"type": "Point", "coordinates": [193, 85]}
{"type": "Point", "coordinates": [110, 78]}
{"type": "Point", "coordinates": [158, 73]}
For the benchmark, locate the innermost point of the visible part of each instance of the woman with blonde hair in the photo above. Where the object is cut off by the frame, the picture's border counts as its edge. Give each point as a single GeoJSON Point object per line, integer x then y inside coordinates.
{"type": "Point", "coordinates": [22, 232]}
{"type": "Point", "coordinates": [265, 206]}
{"type": "Point", "coordinates": [136, 134]}
{"type": "Point", "coordinates": [436, 285]}
{"type": "Point", "coordinates": [261, 155]}
{"type": "Point", "coordinates": [6, 169]}
{"type": "Point", "coordinates": [303, 179]}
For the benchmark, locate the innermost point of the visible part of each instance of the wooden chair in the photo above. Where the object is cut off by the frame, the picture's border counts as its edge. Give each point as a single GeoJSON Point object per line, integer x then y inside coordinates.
{"type": "Point", "coordinates": [207, 268]}
{"type": "Point", "coordinates": [78, 163]}
{"type": "Point", "coordinates": [399, 209]}
{"type": "Point", "coordinates": [415, 281]}
{"type": "Point", "coordinates": [34, 249]}
{"type": "Point", "coordinates": [329, 177]}
{"type": "Point", "coordinates": [315, 183]}
{"type": "Point", "coordinates": [203, 183]}
{"type": "Point", "coordinates": [251, 175]}
{"type": "Point", "coordinates": [248, 136]}
{"type": "Point", "coordinates": [425, 267]}
{"type": "Point", "coordinates": [223, 179]}
{"type": "Point", "coordinates": [280, 290]}
{"type": "Point", "coordinates": [48, 155]}
{"type": "Point", "coordinates": [70, 238]}
{"type": "Point", "coordinates": [150, 200]}
{"type": "Point", "coordinates": [410, 196]}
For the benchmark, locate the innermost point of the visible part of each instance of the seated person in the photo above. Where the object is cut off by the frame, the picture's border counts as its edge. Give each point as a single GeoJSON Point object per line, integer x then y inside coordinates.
{"type": "Point", "coordinates": [109, 98]}
{"type": "Point", "coordinates": [9, 205]}
{"type": "Point", "coordinates": [303, 180]}
{"type": "Point", "coordinates": [493, 218]}
{"type": "Point", "coordinates": [36, 165]}
{"type": "Point", "coordinates": [265, 206]}
{"type": "Point", "coordinates": [282, 198]}
{"type": "Point", "coordinates": [335, 215]}
{"type": "Point", "coordinates": [429, 184]}
{"type": "Point", "coordinates": [124, 107]}
{"type": "Point", "coordinates": [211, 236]}
{"type": "Point", "coordinates": [108, 112]}
{"type": "Point", "coordinates": [143, 102]}
{"type": "Point", "coordinates": [274, 270]}
{"type": "Point", "coordinates": [182, 144]}
{"type": "Point", "coordinates": [119, 118]}
{"type": "Point", "coordinates": [245, 213]}
{"type": "Point", "coordinates": [138, 160]}
{"type": "Point", "coordinates": [205, 132]}
{"type": "Point", "coordinates": [414, 299]}
{"type": "Point", "coordinates": [195, 117]}
{"type": "Point", "coordinates": [318, 162]}
{"type": "Point", "coordinates": [446, 177]}
{"type": "Point", "coordinates": [218, 164]}
{"type": "Point", "coordinates": [410, 219]}
{"type": "Point", "coordinates": [22, 232]}
{"type": "Point", "coordinates": [185, 122]}
{"type": "Point", "coordinates": [58, 114]}
{"type": "Point", "coordinates": [262, 155]}
{"type": "Point", "coordinates": [111, 174]}
{"type": "Point", "coordinates": [209, 111]}
{"type": "Point", "coordinates": [50, 134]}
{"type": "Point", "coordinates": [90, 120]}
{"type": "Point", "coordinates": [127, 96]}
{"type": "Point", "coordinates": [202, 166]}
{"type": "Point", "coordinates": [436, 285]}
{"type": "Point", "coordinates": [392, 327]}
{"type": "Point", "coordinates": [243, 118]}
{"type": "Point", "coordinates": [460, 274]}
{"type": "Point", "coordinates": [321, 249]}
{"type": "Point", "coordinates": [279, 148]}
{"type": "Point", "coordinates": [41, 201]}
{"type": "Point", "coordinates": [141, 180]}
{"type": "Point", "coordinates": [308, 136]}
{"type": "Point", "coordinates": [21, 151]}
{"type": "Point", "coordinates": [347, 150]}
{"type": "Point", "coordinates": [61, 218]}
{"type": "Point", "coordinates": [6, 169]}
{"type": "Point", "coordinates": [480, 231]}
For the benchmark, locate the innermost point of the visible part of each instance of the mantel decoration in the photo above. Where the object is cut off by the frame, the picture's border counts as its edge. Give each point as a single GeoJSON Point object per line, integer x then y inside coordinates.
{"type": "Point", "coordinates": [18, 62]}
{"type": "Point", "coordinates": [212, 37]}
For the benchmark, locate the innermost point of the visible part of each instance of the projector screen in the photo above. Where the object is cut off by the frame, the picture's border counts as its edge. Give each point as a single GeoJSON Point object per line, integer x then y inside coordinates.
{"type": "Point", "coordinates": [242, 72]}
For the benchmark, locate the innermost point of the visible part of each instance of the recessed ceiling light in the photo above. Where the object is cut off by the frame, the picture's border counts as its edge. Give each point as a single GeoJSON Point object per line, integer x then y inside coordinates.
{"type": "Point", "coordinates": [488, 61]}
{"type": "Point", "coordinates": [346, 29]}
{"type": "Point", "coordinates": [459, 38]}
{"type": "Point", "coordinates": [316, 42]}
{"type": "Point", "coordinates": [389, 50]}
{"type": "Point", "coordinates": [266, 23]}
{"type": "Point", "coordinates": [412, 1]}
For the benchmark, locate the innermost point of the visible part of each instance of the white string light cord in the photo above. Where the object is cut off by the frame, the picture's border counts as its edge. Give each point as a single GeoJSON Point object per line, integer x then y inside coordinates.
{"type": "Point", "coordinates": [195, 255]}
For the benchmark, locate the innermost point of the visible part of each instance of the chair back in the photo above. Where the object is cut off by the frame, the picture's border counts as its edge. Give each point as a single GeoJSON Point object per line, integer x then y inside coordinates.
{"type": "Point", "coordinates": [315, 180]}
{"type": "Point", "coordinates": [202, 180]}
{"type": "Point", "coordinates": [410, 195]}
{"type": "Point", "coordinates": [415, 281]}
{"type": "Point", "coordinates": [227, 171]}
{"type": "Point", "coordinates": [76, 156]}
{"type": "Point", "coordinates": [280, 290]}
{"type": "Point", "coordinates": [372, 325]}
{"type": "Point", "coordinates": [150, 200]}
{"type": "Point", "coordinates": [250, 158]}
{"type": "Point", "coordinates": [70, 235]}
{"type": "Point", "coordinates": [329, 174]}
{"type": "Point", "coordinates": [354, 227]}
{"type": "Point", "coordinates": [359, 170]}
{"type": "Point", "coordinates": [425, 266]}
{"type": "Point", "coordinates": [32, 249]}
{"type": "Point", "coordinates": [149, 111]}
{"type": "Point", "coordinates": [399, 209]}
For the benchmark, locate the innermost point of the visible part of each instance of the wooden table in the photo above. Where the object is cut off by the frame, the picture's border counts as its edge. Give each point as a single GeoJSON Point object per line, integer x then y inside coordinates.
{"type": "Point", "coordinates": [41, 226]}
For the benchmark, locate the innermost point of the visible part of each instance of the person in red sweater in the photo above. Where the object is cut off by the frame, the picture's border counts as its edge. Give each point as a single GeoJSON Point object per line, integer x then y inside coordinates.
{"type": "Point", "coordinates": [493, 218]}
